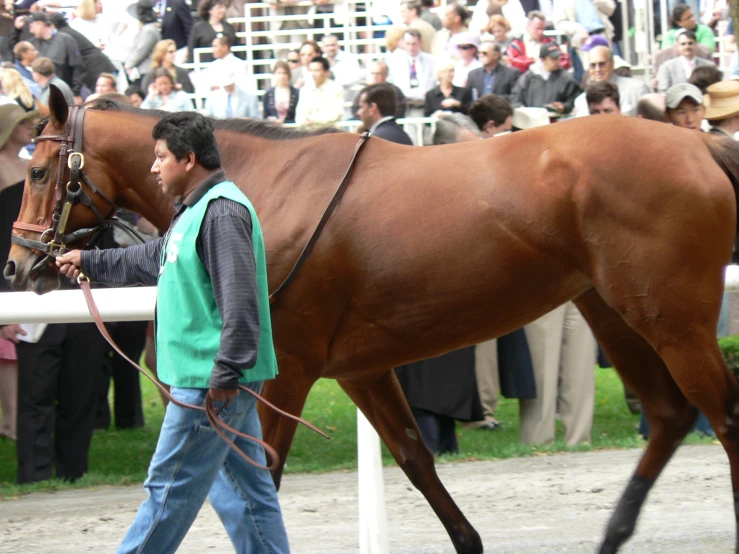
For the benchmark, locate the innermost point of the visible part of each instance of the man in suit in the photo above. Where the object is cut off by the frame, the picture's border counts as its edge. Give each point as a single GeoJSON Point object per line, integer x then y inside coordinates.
{"type": "Point", "coordinates": [231, 101]}
{"type": "Point", "coordinates": [413, 71]}
{"type": "Point", "coordinates": [492, 77]}
{"type": "Point", "coordinates": [377, 112]}
{"type": "Point", "coordinates": [175, 19]}
{"type": "Point", "coordinates": [601, 68]}
{"type": "Point", "coordinates": [678, 70]}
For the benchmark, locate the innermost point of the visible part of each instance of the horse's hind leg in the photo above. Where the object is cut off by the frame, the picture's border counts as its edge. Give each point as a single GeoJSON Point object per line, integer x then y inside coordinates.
{"type": "Point", "coordinates": [382, 401]}
{"type": "Point", "coordinates": [669, 413]}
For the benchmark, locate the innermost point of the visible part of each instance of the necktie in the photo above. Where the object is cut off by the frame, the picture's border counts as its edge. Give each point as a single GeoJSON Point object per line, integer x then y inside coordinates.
{"type": "Point", "coordinates": [229, 110]}
{"type": "Point", "coordinates": [414, 74]}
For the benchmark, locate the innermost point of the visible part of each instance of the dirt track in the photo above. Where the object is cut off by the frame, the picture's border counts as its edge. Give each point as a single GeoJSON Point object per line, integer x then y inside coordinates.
{"type": "Point", "coordinates": [532, 505]}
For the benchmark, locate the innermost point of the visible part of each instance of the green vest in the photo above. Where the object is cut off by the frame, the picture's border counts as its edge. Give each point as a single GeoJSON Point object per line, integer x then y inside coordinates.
{"type": "Point", "coordinates": [188, 330]}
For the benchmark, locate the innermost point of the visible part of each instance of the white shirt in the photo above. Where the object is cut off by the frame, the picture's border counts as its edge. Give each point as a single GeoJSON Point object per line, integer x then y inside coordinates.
{"type": "Point", "coordinates": [461, 71]}
{"type": "Point", "coordinates": [346, 69]}
{"type": "Point", "coordinates": [688, 66]}
{"type": "Point", "coordinates": [324, 104]}
{"type": "Point", "coordinates": [230, 65]}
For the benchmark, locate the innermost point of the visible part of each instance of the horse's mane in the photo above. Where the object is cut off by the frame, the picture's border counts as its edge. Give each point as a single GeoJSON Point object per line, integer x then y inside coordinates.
{"type": "Point", "coordinates": [254, 127]}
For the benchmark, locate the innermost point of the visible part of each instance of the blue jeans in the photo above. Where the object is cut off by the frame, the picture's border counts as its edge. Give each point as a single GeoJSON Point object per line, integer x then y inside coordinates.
{"type": "Point", "coordinates": [191, 462]}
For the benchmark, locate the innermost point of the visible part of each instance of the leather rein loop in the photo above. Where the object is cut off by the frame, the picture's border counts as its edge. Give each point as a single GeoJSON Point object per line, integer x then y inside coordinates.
{"type": "Point", "coordinates": [308, 249]}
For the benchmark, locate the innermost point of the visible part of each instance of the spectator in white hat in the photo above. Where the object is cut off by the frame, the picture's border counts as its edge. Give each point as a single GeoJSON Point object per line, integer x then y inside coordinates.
{"type": "Point", "coordinates": [230, 101]}
{"type": "Point", "coordinates": [466, 46]}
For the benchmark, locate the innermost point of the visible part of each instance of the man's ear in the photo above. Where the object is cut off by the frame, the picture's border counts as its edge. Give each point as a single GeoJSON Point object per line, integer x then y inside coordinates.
{"type": "Point", "coordinates": [489, 128]}
{"type": "Point", "coordinates": [190, 161]}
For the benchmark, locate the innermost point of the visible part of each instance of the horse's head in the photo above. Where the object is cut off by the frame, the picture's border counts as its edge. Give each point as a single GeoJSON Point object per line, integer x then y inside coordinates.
{"type": "Point", "coordinates": [62, 208]}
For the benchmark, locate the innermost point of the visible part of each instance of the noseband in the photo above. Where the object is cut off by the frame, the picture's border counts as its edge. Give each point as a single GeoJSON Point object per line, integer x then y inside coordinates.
{"type": "Point", "coordinates": [54, 239]}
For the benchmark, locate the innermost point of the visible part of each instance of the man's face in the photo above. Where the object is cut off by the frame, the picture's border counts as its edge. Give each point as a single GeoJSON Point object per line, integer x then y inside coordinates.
{"type": "Point", "coordinates": [171, 175]}
{"type": "Point", "coordinates": [687, 21]}
{"type": "Point", "coordinates": [600, 66]}
{"type": "Point", "coordinates": [605, 107]}
{"type": "Point", "coordinates": [103, 85]}
{"type": "Point", "coordinates": [412, 45]}
{"type": "Point", "coordinates": [550, 64]}
{"type": "Point", "coordinates": [688, 114]}
{"type": "Point", "coordinates": [29, 55]}
{"type": "Point", "coordinates": [318, 73]}
{"type": "Point", "coordinates": [367, 112]}
{"type": "Point", "coordinates": [686, 46]}
{"type": "Point", "coordinates": [38, 29]}
{"type": "Point", "coordinates": [330, 46]}
{"type": "Point", "coordinates": [307, 54]}
{"type": "Point", "coordinates": [488, 56]}
{"type": "Point", "coordinates": [378, 73]}
{"type": "Point", "coordinates": [535, 28]}
{"type": "Point", "coordinates": [135, 100]}
{"type": "Point", "coordinates": [219, 50]}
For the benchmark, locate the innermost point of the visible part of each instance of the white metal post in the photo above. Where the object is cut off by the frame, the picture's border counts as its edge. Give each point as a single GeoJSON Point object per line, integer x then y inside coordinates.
{"type": "Point", "coordinates": [372, 518]}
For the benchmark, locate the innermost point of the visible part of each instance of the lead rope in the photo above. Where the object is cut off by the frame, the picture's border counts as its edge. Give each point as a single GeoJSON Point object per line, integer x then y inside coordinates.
{"type": "Point", "coordinates": [210, 411]}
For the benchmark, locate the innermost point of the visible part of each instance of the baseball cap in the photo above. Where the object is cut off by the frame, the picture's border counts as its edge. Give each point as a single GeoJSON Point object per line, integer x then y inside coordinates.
{"type": "Point", "coordinates": [39, 16]}
{"type": "Point", "coordinates": [593, 41]}
{"type": "Point", "coordinates": [550, 51]}
{"type": "Point", "coordinates": [677, 93]}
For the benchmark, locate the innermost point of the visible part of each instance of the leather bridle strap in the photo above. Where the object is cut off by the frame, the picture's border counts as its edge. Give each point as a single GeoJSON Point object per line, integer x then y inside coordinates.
{"type": "Point", "coordinates": [305, 254]}
{"type": "Point", "coordinates": [210, 411]}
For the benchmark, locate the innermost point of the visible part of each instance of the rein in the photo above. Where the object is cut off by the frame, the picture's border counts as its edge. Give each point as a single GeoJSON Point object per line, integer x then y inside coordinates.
{"type": "Point", "coordinates": [322, 223]}
{"type": "Point", "coordinates": [71, 157]}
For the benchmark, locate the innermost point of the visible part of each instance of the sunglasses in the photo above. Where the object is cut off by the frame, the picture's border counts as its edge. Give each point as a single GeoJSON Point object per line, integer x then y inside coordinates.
{"type": "Point", "coordinates": [292, 61]}
{"type": "Point", "coordinates": [466, 46]}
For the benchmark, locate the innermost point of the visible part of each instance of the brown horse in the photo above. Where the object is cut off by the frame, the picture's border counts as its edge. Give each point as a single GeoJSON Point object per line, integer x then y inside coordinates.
{"type": "Point", "coordinates": [436, 248]}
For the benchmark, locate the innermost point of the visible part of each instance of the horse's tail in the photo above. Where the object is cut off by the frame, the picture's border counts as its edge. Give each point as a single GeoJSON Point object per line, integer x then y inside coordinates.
{"type": "Point", "coordinates": [725, 153]}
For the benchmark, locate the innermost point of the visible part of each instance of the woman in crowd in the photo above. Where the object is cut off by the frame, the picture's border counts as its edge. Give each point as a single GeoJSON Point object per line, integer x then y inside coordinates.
{"type": "Point", "coordinates": [498, 29]}
{"type": "Point", "coordinates": [280, 101]}
{"type": "Point", "coordinates": [212, 24]}
{"type": "Point", "coordinates": [162, 94]}
{"type": "Point", "coordinates": [511, 10]}
{"type": "Point", "coordinates": [86, 22]}
{"type": "Point", "coordinates": [684, 18]}
{"type": "Point", "coordinates": [15, 88]}
{"type": "Point", "coordinates": [135, 96]}
{"type": "Point", "coordinates": [16, 131]}
{"type": "Point", "coordinates": [163, 56]}
{"type": "Point", "coordinates": [446, 97]}
{"type": "Point", "coordinates": [138, 62]}
{"type": "Point", "coordinates": [467, 46]}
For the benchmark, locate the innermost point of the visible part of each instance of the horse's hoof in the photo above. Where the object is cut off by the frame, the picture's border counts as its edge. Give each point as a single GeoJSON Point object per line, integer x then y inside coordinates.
{"type": "Point", "coordinates": [469, 544]}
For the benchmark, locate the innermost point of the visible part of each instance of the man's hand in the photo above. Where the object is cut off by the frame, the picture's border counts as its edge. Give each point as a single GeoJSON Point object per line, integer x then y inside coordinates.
{"type": "Point", "coordinates": [11, 332]}
{"type": "Point", "coordinates": [223, 395]}
{"type": "Point", "coordinates": [69, 264]}
{"type": "Point", "coordinates": [559, 107]}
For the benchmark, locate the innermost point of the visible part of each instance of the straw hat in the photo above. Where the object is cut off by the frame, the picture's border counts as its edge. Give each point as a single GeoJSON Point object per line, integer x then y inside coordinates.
{"type": "Point", "coordinates": [722, 100]}
{"type": "Point", "coordinates": [10, 116]}
{"type": "Point", "coordinates": [529, 118]}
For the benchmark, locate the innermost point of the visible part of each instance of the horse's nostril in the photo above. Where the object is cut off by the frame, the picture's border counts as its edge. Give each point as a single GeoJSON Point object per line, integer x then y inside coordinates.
{"type": "Point", "coordinates": [9, 271]}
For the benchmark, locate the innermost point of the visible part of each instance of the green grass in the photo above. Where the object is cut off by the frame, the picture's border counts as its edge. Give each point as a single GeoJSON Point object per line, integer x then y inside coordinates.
{"type": "Point", "coordinates": [122, 457]}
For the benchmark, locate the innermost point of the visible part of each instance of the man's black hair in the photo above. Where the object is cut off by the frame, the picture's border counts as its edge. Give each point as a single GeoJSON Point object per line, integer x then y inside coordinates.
{"type": "Point", "coordinates": [383, 95]}
{"type": "Point", "coordinates": [323, 61]}
{"type": "Point", "coordinates": [189, 132]}
{"type": "Point", "coordinates": [597, 92]}
{"type": "Point", "coordinates": [490, 108]}
{"type": "Point", "coordinates": [705, 76]}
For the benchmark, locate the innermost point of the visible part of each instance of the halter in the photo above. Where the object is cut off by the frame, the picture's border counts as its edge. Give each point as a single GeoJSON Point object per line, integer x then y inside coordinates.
{"type": "Point", "coordinates": [54, 239]}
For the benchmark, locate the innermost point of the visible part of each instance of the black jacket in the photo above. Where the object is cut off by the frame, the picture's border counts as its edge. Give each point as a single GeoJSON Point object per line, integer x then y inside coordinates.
{"type": "Point", "coordinates": [270, 110]}
{"type": "Point", "coordinates": [177, 22]}
{"type": "Point", "coordinates": [434, 98]}
{"type": "Point", "coordinates": [505, 80]}
{"type": "Point", "coordinates": [93, 59]}
{"type": "Point", "coordinates": [390, 130]}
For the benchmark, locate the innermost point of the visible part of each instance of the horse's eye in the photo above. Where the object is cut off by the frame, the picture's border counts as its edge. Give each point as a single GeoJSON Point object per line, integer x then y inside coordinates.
{"type": "Point", "coordinates": [37, 174]}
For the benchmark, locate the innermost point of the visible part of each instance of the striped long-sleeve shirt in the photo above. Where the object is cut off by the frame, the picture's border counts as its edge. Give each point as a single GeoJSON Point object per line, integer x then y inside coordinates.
{"type": "Point", "coordinates": [225, 248]}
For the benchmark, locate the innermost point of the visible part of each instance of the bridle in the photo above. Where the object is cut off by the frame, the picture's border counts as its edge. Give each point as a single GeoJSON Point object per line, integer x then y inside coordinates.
{"type": "Point", "coordinates": [54, 239]}
{"type": "Point", "coordinates": [71, 157]}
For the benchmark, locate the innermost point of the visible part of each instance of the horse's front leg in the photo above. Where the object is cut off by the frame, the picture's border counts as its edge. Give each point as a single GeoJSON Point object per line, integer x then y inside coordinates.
{"type": "Point", "coordinates": [288, 392]}
{"type": "Point", "coordinates": [381, 399]}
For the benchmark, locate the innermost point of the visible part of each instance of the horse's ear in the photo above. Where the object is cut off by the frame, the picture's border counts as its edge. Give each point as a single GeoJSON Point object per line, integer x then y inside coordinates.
{"type": "Point", "coordinates": [58, 109]}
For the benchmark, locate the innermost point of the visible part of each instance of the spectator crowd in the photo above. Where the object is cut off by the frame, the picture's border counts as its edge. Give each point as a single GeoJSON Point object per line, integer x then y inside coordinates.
{"type": "Point", "coordinates": [480, 70]}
